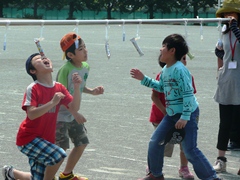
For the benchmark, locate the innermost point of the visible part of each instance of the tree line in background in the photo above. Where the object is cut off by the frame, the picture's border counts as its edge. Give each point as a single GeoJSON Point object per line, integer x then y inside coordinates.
{"type": "Point", "coordinates": [123, 6]}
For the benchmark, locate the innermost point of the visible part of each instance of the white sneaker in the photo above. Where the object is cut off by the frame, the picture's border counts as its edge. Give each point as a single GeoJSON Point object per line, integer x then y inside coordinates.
{"type": "Point", "coordinates": [7, 172]}
{"type": "Point", "coordinates": [220, 166]}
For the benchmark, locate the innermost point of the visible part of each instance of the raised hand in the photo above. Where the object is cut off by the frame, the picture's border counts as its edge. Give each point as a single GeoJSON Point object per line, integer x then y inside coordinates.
{"type": "Point", "coordinates": [57, 97]}
{"type": "Point", "coordinates": [137, 74]}
{"type": "Point", "coordinates": [77, 80]}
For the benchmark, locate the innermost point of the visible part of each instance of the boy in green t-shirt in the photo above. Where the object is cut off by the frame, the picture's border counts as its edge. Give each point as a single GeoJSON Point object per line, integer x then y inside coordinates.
{"type": "Point", "coordinates": [75, 52]}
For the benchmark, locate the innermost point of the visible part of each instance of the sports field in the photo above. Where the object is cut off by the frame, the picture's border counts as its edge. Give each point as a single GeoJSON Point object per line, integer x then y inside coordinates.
{"type": "Point", "coordinates": [117, 121]}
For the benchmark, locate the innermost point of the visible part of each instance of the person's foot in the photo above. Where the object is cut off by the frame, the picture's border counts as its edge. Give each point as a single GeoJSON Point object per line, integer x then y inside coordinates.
{"type": "Point", "coordinates": [185, 173]}
{"type": "Point", "coordinates": [220, 166]}
{"type": "Point", "coordinates": [233, 146]}
{"type": "Point", "coordinates": [151, 177]}
{"type": "Point", "coordinates": [7, 172]}
{"type": "Point", "coordinates": [71, 177]}
{"type": "Point", "coordinates": [238, 172]}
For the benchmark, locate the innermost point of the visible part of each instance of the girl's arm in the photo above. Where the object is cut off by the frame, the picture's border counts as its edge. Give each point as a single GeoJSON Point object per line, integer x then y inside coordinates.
{"type": "Point", "coordinates": [234, 28]}
{"type": "Point", "coordinates": [219, 53]}
{"type": "Point", "coordinates": [156, 100]}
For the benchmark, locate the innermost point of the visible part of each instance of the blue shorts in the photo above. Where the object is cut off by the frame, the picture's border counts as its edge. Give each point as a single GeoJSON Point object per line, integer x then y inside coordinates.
{"type": "Point", "coordinates": [41, 154]}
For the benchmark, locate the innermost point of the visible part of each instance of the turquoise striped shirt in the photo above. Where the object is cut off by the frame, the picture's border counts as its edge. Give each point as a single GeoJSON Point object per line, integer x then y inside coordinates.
{"type": "Point", "coordinates": [176, 83]}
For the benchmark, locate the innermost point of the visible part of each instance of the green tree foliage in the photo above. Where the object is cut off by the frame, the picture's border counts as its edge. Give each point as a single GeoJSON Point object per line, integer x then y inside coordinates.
{"type": "Point", "coordinates": [193, 6]}
{"type": "Point", "coordinates": [148, 6]}
{"type": "Point", "coordinates": [153, 6]}
{"type": "Point", "coordinates": [112, 5]}
{"type": "Point", "coordinates": [72, 5]}
{"type": "Point", "coordinates": [34, 4]}
{"type": "Point", "coordinates": [4, 3]}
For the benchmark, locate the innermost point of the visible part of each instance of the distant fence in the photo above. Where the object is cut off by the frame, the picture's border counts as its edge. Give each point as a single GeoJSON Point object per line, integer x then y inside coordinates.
{"type": "Point", "coordinates": [87, 14]}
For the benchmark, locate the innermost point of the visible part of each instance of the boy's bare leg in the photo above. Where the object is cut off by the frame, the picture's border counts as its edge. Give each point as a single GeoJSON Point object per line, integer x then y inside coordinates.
{"type": "Point", "coordinates": [21, 175]}
{"type": "Point", "coordinates": [50, 171]}
{"type": "Point", "coordinates": [73, 158]}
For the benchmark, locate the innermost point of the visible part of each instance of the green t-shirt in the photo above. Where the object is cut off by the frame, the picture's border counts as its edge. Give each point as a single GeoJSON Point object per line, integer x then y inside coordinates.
{"type": "Point", "coordinates": [64, 76]}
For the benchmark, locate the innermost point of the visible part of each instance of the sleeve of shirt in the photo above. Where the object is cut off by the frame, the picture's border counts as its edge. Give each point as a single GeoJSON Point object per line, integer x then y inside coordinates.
{"type": "Point", "coordinates": [29, 98]}
{"type": "Point", "coordinates": [152, 83]}
{"type": "Point", "coordinates": [185, 84]}
{"type": "Point", "coordinates": [157, 79]}
{"type": "Point", "coordinates": [62, 77]}
{"type": "Point", "coordinates": [219, 53]}
{"type": "Point", "coordinates": [235, 29]}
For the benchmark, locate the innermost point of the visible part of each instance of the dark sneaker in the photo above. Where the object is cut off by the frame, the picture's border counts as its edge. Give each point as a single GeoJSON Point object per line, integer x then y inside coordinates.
{"type": "Point", "coordinates": [238, 172]}
{"type": "Point", "coordinates": [7, 173]}
{"type": "Point", "coordinates": [232, 146]}
{"type": "Point", "coordinates": [151, 177]}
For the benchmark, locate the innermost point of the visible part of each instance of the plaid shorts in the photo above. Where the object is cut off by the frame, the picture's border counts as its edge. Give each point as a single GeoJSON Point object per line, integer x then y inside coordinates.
{"type": "Point", "coordinates": [76, 132]}
{"type": "Point", "coordinates": [41, 154]}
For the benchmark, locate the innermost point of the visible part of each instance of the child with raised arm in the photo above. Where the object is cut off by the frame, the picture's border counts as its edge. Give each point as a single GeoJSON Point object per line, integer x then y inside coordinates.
{"type": "Point", "coordinates": [158, 111]}
{"type": "Point", "coordinates": [181, 107]}
{"type": "Point", "coordinates": [36, 134]}
{"type": "Point", "coordinates": [75, 51]}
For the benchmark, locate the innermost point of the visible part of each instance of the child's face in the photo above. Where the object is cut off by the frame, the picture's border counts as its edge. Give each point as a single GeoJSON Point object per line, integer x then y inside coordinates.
{"type": "Point", "coordinates": [166, 54]}
{"type": "Point", "coordinates": [80, 53]}
{"type": "Point", "coordinates": [42, 65]}
{"type": "Point", "coordinates": [231, 14]}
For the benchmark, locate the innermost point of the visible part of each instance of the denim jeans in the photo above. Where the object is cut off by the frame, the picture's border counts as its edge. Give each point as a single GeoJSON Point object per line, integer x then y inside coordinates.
{"type": "Point", "coordinates": [201, 165]}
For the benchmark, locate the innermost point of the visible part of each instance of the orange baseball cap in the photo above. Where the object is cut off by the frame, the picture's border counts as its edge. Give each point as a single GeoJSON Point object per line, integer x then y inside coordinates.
{"type": "Point", "coordinates": [68, 40]}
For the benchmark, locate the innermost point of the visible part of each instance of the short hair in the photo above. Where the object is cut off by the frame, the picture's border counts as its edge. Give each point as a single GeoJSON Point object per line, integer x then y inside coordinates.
{"type": "Point", "coordinates": [29, 66]}
{"type": "Point", "coordinates": [178, 42]}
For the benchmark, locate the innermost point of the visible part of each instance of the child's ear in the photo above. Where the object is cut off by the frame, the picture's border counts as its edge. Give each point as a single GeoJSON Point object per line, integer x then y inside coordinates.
{"type": "Point", "coordinates": [173, 50]}
{"type": "Point", "coordinates": [32, 71]}
{"type": "Point", "coordinates": [70, 55]}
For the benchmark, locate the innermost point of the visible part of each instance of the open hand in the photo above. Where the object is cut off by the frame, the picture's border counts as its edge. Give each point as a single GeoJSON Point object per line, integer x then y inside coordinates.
{"type": "Point", "coordinates": [137, 74]}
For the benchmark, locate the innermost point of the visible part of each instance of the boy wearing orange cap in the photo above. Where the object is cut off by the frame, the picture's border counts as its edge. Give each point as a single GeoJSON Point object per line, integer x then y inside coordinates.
{"type": "Point", "coordinates": [75, 52]}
